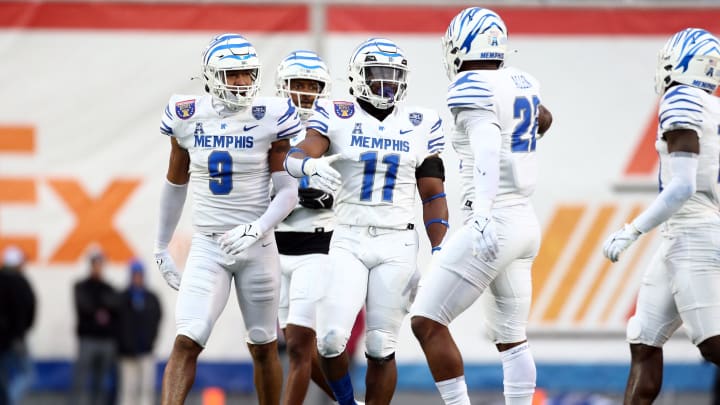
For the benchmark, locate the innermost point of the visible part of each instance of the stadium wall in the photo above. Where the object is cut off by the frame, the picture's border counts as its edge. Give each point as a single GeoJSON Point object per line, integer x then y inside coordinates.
{"type": "Point", "coordinates": [82, 159]}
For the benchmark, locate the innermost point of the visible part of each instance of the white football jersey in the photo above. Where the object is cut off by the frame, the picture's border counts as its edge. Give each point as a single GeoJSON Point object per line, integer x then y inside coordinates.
{"type": "Point", "coordinates": [513, 96]}
{"type": "Point", "coordinates": [379, 159]}
{"type": "Point", "coordinates": [303, 219]}
{"type": "Point", "coordinates": [229, 167]}
{"type": "Point", "coordinates": [686, 107]}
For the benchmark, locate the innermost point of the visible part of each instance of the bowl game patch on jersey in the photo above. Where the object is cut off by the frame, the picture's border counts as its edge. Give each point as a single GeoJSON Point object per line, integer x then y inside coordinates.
{"type": "Point", "coordinates": [344, 109]}
{"type": "Point", "coordinates": [185, 109]}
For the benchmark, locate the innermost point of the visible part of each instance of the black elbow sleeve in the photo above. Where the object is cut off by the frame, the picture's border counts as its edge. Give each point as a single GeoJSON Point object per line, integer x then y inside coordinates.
{"type": "Point", "coordinates": [431, 167]}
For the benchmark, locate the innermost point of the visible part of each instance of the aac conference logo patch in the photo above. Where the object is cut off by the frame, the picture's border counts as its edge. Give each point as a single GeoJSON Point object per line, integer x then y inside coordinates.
{"type": "Point", "coordinates": [258, 111]}
{"type": "Point", "coordinates": [416, 118]}
{"type": "Point", "coordinates": [185, 109]}
{"type": "Point", "coordinates": [344, 109]}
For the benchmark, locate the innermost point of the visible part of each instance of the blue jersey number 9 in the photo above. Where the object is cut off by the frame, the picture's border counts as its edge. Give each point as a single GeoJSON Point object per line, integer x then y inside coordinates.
{"type": "Point", "coordinates": [523, 136]}
{"type": "Point", "coordinates": [370, 158]}
{"type": "Point", "coordinates": [220, 168]}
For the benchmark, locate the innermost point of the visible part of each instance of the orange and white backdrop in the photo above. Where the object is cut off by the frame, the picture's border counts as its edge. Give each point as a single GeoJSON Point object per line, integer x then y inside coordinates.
{"type": "Point", "coordinates": [84, 84]}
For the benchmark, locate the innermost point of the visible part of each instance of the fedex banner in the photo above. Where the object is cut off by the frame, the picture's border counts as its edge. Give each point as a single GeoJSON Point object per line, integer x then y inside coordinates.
{"type": "Point", "coordinates": [82, 158]}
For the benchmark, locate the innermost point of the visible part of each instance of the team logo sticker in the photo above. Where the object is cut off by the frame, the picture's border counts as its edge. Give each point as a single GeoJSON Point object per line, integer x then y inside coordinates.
{"type": "Point", "coordinates": [258, 111]}
{"type": "Point", "coordinates": [185, 109]}
{"type": "Point", "coordinates": [344, 109]}
{"type": "Point", "coordinates": [416, 118]}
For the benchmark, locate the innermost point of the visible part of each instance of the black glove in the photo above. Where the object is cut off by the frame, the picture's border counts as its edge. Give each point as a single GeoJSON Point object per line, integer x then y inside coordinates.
{"type": "Point", "coordinates": [315, 199]}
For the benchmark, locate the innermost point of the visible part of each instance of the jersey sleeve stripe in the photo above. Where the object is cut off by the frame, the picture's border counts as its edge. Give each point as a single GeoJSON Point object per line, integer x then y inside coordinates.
{"type": "Point", "coordinates": [462, 89]}
{"type": "Point", "coordinates": [459, 105]}
{"type": "Point", "coordinates": [318, 126]}
{"type": "Point", "coordinates": [665, 111]}
{"type": "Point", "coordinates": [290, 135]}
{"type": "Point", "coordinates": [322, 111]}
{"type": "Point", "coordinates": [165, 129]}
{"type": "Point", "coordinates": [434, 145]}
{"type": "Point", "coordinates": [662, 121]}
{"type": "Point", "coordinates": [167, 113]}
{"type": "Point", "coordinates": [682, 125]}
{"type": "Point", "coordinates": [436, 126]}
{"type": "Point", "coordinates": [288, 114]}
{"type": "Point", "coordinates": [685, 100]}
{"type": "Point", "coordinates": [469, 96]}
{"type": "Point", "coordinates": [676, 91]}
{"type": "Point", "coordinates": [289, 131]}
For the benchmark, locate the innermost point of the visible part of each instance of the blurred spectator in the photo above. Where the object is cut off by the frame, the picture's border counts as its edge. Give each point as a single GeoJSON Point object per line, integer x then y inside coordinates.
{"type": "Point", "coordinates": [140, 315]}
{"type": "Point", "coordinates": [17, 313]}
{"type": "Point", "coordinates": [96, 307]}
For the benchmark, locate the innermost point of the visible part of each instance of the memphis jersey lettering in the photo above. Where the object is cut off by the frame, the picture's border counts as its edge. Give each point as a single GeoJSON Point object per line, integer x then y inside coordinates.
{"type": "Point", "coordinates": [379, 159]}
{"type": "Point", "coordinates": [512, 97]}
{"type": "Point", "coordinates": [685, 107]}
{"type": "Point", "coordinates": [229, 169]}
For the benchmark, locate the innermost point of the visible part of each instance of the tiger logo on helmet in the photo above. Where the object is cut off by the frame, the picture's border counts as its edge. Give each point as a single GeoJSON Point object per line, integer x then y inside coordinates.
{"type": "Point", "coordinates": [691, 57]}
{"type": "Point", "coordinates": [474, 34]}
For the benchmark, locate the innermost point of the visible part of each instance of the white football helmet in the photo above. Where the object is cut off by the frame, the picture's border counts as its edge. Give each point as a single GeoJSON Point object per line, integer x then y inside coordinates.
{"type": "Point", "coordinates": [474, 34]}
{"type": "Point", "coordinates": [690, 57]}
{"type": "Point", "coordinates": [305, 65]}
{"type": "Point", "coordinates": [230, 52]}
{"type": "Point", "coordinates": [378, 73]}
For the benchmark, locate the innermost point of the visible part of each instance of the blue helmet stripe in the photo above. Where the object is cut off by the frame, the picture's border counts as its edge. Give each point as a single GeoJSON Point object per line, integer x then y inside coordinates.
{"type": "Point", "coordinates": [213, 50]}
{"type": "Point", "coordinates": [311, 67]}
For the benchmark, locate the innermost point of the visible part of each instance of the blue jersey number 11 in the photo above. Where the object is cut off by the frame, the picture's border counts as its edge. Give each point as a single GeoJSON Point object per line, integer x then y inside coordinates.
{"type": "Point", "coordinates": [371, 158]}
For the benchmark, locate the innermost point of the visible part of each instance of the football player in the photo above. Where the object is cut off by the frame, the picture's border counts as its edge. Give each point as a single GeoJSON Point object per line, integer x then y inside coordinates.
{"type": "Point", "coordinates": [682, 282]}
{"type": "Point", "coordinates": [228, 144]}
{"type": "Point", "coordinates": [303, 238]}
{"type": "Point", "coordinates": [381, 152]}
{"type": "Point", "coordinates": [495, 109]}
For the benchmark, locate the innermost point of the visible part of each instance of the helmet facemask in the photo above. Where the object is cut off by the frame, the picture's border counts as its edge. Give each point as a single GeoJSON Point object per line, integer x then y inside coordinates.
{"type": "Point", "coordinates": [380, 83]}
{"type": "Point", "coordinates": [221, 86]}
{"type": "Point", "coordinates": [303, 77]}
{"type": "Point", "coordinates": [303, 92]}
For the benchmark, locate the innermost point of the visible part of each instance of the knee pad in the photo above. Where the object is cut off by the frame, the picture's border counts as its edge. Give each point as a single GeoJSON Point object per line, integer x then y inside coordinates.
{"type": "Point", "coordinates": [333, 343]}
{"type": "Point", "coordinates": [638, 332]}
{"type": "Point", "coordinates": [379, 343]}
{"type": "Point", "coordinates": [260, 336]}
{"type": "Point", "coordinates": [381, 360]}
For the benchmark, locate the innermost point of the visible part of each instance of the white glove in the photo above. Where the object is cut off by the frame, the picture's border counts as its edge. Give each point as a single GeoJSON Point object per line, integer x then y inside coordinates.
{"type": "Point", "coordinates": [485, 241]}
{"type": "Point", "coordinates": [619, 241]}
{"type": "Point", "coordinates": [327, 178]}
{"type": "Point", "coordinates": [167, 267]}
{"type": "Point", "coordinates": [240, 238]}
